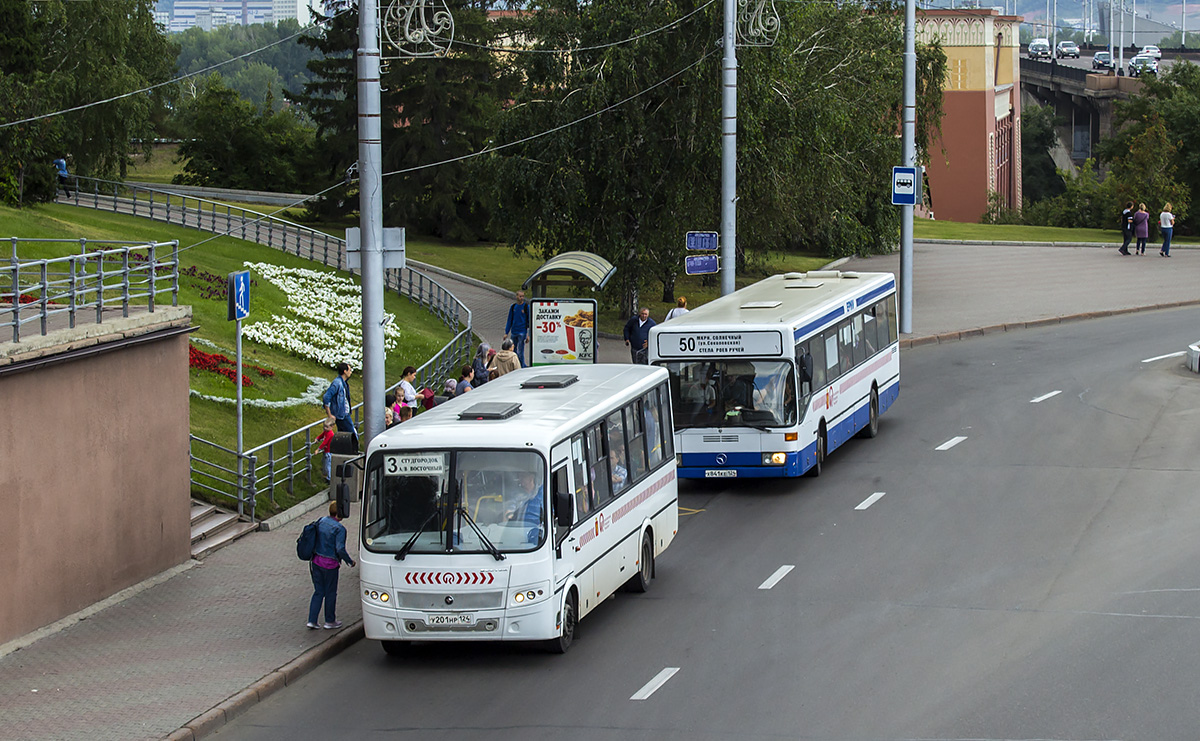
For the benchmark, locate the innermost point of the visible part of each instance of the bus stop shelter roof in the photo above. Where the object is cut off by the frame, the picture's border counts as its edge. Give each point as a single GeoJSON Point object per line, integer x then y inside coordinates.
{"type": "Point", "coordinates": [593, 268]}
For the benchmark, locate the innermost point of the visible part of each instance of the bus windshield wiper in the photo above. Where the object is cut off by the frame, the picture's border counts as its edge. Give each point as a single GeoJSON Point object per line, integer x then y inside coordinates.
{"type": "Point", "coordinates": [408, 546]}
{"type": "Point", "coordinates": [491, 547]}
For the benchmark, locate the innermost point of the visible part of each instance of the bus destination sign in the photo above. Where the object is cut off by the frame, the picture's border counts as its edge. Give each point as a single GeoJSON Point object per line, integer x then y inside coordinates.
{"type": "Point", "coordinates": [719, 344]}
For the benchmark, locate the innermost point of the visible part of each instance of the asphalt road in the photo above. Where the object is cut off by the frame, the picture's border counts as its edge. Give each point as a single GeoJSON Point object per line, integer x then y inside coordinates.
{"type": "Point", "coordinates": [1085, 61]}
{"type": "Point", "coordinates": [1038, 579]}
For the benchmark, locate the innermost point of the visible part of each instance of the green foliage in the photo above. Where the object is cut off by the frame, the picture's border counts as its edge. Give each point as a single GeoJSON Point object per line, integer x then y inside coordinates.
{"type": "Point", "coordinates": [1147, 173]}
{"type": "Point", "coordinates": [1039, 176]}
{"type": "Point", "coordinates": [818, 115]}
{"type": "Point", "coordinates": [261, 78]}
{"type": "Point", "coordinates": [232, 143]}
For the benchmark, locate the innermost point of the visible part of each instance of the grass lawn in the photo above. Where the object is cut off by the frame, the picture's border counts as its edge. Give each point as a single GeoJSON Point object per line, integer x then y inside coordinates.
{"type": "Point", "coordinates": [422, 337]}
{"type": "Point", "coordinates": [928, 229]}
{"type": "Point", "coordinates": [160, 167]}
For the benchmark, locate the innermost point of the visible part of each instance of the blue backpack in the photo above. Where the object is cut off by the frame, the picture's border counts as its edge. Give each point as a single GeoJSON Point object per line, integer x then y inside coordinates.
{"type": "Point", "coordinates": [306, 544]}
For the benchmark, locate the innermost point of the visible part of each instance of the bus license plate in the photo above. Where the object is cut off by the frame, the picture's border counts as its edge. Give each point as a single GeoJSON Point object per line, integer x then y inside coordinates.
{"type": "Point", "coordinates": [461, 618]}
{"type": "Point", "coordinates": [721, 473]}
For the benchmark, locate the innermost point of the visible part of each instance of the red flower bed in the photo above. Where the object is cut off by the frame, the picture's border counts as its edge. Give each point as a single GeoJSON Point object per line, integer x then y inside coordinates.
{"type": "Point", "coordinates": [221, 365]}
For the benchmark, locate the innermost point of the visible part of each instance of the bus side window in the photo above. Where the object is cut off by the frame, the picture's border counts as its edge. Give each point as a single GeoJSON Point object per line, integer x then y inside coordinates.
{"type": "Point", "coordinates": [618, 459]}
{"type": "Point", "coordinates": [597, 458]}
{"type": "Point", "coordinates": [583, 496]}
{"type": "Point", "coordinates": [831, 354]}
{"type": "Point", "coordinates": [635, 426]}
{"type": "Point", "coordinates": [664, 414]}
{"type": "Point", "coordinates": [845, 345]}
{"type": "Point", "coordinates": [859, 341]}
{"type": "Point", "coordinates": [560, 488]}
{"type": "Point", "coordinates": [654, 447]}
{"type": "Point", "coordinates": [893, 328]}
{"type": "Point", "coordinates": [871, 330]}
{"type": "Point", "coordinates": [817, 347]}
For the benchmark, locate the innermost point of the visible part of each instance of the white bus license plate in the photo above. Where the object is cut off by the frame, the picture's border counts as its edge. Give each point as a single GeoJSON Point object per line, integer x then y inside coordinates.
{"type": "Point", "coordinates": [721, 473]}
{"type": "Point", "coordinates": [461, 618]}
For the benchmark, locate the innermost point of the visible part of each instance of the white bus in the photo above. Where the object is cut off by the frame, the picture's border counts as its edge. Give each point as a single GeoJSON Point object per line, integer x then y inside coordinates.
{"type": "Point", "coordinates": [512, 511]}
{"type": "Point", "coordinates": [770, 379]}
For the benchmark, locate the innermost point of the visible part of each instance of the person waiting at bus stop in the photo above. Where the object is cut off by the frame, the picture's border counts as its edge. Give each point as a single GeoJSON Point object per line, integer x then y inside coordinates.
{"type": "Point", "coordinates": [328, 554]}
{"type": "Point", "coordinates": [637, 336]}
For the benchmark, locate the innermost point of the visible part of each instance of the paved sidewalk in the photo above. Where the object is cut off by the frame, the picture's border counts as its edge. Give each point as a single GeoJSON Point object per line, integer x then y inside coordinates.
{"type": "Point", "coordinates": [210, 641]}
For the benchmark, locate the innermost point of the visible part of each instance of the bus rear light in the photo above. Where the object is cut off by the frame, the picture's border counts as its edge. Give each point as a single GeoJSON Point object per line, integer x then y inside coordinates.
{"type": "Point", "coordinates": [791, 437]}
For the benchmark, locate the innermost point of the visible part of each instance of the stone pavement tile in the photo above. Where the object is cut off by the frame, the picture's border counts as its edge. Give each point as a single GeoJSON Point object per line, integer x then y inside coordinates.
{"type": "Point", "coordinates": [144, 667]}
{"type": "Point", "coordinates": [959, 287]}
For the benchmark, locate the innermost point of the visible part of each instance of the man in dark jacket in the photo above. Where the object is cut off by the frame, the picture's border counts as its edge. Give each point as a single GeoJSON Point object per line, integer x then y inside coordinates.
{"type": "Point", "coordinates": [517, 326]}
{"type": "Point", "coordinates": [637, 336]}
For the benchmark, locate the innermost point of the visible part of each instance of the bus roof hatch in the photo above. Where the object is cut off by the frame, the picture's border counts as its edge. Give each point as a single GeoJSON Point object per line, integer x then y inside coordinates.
{"type": "Point", "coordinates": [490, 410]}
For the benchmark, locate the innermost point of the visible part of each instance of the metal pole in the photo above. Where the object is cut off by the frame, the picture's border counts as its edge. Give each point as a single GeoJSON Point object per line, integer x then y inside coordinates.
{"type": "Point", "coordinates": [1121, 47]}
{"type": "Point", "coordinates": [1111, 18]}
{"type": "Point", "coordinates": [910, 160]}
{"type": "Point", "coordinates": [1133, 26]}
{"type": "Point", "coordinates": [729, 152]}
{"type": "Point", "coordinates": [237, 382]}
{"type": "Point", "coordinates": [370, 185]}
{"type": "Point", "coordinates": [1054, 31]}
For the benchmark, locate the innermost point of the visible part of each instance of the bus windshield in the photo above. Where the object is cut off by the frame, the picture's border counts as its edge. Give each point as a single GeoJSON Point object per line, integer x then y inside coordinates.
{"type": "Point", "coordinates": [467, 501]}
{"type": "Point", "coordinates": [733, 393]}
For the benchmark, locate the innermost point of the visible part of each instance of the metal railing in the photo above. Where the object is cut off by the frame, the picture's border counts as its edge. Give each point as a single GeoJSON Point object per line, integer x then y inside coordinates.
{"type": "Point", "coordinates": [105, 276]}
{"type": "Point", "coordinates": [289, 459]}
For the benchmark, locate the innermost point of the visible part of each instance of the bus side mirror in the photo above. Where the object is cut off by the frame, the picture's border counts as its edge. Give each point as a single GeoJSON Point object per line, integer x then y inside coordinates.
{"type": "Point", "coordinates": [343, 499]}
{"type": "Point", "coordinates": [562, 508]}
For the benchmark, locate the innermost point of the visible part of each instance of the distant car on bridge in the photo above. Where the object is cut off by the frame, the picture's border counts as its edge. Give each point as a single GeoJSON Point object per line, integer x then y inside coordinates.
{"type": "Point", "coordinates": [1102, 60]}
{"type": "Point", "coordinates": [1150, 50]}
{"type": "Point", "coordinates": [1143, 64]}
{"type": "Point", "coordinates": [1067, 49]}
{"type": "Point", "coordinates": [1039, 49]}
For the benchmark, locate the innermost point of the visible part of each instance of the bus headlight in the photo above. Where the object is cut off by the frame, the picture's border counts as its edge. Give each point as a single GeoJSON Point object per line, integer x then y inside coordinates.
{"type": "Point", "coordinates": [376, 595]}
{"type": "Point", "coordinates": [533, 593]}
{"type": "Point", "coordinates": [774, 459]}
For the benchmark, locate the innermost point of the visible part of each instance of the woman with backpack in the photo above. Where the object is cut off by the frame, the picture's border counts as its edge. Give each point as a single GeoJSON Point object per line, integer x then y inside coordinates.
{"type": "Point", "coordinates": [329, 551]}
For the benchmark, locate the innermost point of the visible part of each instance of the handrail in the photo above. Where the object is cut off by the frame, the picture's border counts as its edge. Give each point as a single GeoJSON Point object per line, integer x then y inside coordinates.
{"type": "Point", "coordinates": [64, 285]}
{"type": "Point", "coordinates": [279, 462]}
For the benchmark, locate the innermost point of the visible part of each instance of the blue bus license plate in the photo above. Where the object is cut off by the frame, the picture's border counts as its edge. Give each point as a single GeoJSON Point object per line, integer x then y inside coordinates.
{"type": "Point", "coordinates": [720, 473]}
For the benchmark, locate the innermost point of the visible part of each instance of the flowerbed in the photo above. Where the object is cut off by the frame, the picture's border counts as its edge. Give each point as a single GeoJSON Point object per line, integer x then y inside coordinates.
{"type": "Point", "coordinates": [221, 365]}
{"type": "Point", "coordinates": [327, 322]}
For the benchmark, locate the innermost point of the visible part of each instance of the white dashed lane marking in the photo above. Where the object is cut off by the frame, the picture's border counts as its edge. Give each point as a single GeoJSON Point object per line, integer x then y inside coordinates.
{"type": "Point", "coordinates": [777, 577]}
{"type": "Point", "coordinates": [950, 443]}
{"type": "Point", "coordinates": [652, 686]}
{"type": "Point", "coordinates": [1043, 397]}
{"type": "Point", "coordinates": [1164, 357]}
{"type": "Point", "coordinates": [871, 500]}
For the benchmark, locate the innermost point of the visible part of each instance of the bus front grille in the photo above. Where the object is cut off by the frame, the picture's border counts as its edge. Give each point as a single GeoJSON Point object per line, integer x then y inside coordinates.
{"type": "Point", "coordinates": [461, 600]}
{"type": "Point", "coordinates": [720, 438]}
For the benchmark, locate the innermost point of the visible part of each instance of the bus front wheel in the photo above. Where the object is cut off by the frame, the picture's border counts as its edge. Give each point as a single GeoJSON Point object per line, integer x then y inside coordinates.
{"type": "Point", "coordinates": [816, 467]}
{"type": "Point", "coordinates": [394, 648]}
{"type": "Point", "coordinates": [570, 619]}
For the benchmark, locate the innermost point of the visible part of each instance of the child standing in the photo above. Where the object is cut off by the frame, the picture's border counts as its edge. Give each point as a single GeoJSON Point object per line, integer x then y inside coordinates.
{"type": "Point", "coordinates": [323, 443]}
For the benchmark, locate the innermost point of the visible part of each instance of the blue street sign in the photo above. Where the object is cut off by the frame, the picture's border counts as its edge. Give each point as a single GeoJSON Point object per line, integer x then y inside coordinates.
{"type": "Point", "coordinates": [237, 289]}
{"type": "Point", "coordinates": [700, 264]}
{"type": "Point", "coordinates": [703, 241]}
{"type": "Point", "coordinates": [906, 186]}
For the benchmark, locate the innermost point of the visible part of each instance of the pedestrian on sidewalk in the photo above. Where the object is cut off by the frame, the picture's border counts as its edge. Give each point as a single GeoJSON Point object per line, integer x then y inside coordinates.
{"type": "Point", "coordinates": [517, 326]}
{"type": "Point", "coordinates": [329, 553]}
{"type": "Point", "coordinates": [464, 382]}
{"type": "Point", "coordinates": [1166, 225]}
{"type": "Point", "coordinates": [637, 336]}
{"type": "Point", "coordinates": [1141, 228]}
{"type": "Point", "coordinates": [337, 400]}
{"type": "Point", "coordinates": [1126, 227]}
{"type": "Point", "coordinates": [480, 364]}
{"type": "Point", "coordinates": [504, 361]}
{"type": "Point", "coordinates": [406, 394]}
{"type": "Point", "coordinates": [679, 310]}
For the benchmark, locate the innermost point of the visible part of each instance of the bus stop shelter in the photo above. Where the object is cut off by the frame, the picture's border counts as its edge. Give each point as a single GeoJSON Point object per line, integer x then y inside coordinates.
{"type": "Point", "coordinates": [570, 270]}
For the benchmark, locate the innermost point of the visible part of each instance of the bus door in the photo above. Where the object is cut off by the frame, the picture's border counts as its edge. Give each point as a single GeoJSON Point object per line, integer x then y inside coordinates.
{"type": "Point", "coordinates": [571, 539]}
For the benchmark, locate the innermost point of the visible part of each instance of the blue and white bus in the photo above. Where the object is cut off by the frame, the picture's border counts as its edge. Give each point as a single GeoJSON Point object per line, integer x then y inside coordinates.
{"type": "Point", "coordinates": [769, 380]}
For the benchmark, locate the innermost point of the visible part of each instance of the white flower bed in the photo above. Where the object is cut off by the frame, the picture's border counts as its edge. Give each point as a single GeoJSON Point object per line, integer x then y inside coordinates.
{"type": "Point", "coordinates": [327, 322]}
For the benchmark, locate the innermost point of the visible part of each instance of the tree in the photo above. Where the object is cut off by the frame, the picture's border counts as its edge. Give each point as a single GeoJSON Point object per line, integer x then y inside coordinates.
{"type": "Point", "coordinates": [1039, 175]}
{"type": "Point", "coordinates": [200, 49]}
{"type": "Point", "coordinates": [818, 118]}
{"type": "Point", "coordinates": [233, 143]}
{"type": "Point", "coordinates": [58, 55]}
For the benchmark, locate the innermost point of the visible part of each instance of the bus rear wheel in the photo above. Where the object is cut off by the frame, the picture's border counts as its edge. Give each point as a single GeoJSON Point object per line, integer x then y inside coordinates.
{"type": "Point", "coordinates": [640, 582]}
{"type": "Point", "coordinates": [872, 428]}
{"type": "Point", "coordinates": [816, 467]}
{"type": "Point", "coordinates": [570, 620]}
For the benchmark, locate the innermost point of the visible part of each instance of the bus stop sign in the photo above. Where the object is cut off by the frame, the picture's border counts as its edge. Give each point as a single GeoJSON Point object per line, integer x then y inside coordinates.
{"type": "Point", "coordinates": [906, 186]}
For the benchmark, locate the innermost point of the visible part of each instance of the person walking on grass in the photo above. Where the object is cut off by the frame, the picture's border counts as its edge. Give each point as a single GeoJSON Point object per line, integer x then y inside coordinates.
{"type": "Point", "coordinates": [1141, 228]}
{"type": "Point", "coordinates": [1126, 228]}
{"type": "Point", "coordinates": [330, 551]}
{"type": "Point", "coordinates": [1166, 225]}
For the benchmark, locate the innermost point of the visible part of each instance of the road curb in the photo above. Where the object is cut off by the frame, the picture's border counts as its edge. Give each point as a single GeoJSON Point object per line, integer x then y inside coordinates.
{"type": "Point", "coordinates": [955, 336]}
{"type": "Point", "coordinates": [216, 717]}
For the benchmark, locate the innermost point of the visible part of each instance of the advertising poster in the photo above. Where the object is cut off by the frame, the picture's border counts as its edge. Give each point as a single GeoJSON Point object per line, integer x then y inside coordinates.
{"type": "Point", "coordinates": [562, 332]}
